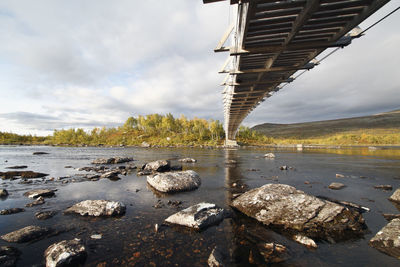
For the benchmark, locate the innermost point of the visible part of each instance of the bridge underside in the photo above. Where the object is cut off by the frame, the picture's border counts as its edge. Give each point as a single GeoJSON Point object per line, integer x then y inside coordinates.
{"type": "Point", "coordinates": [273, 39]}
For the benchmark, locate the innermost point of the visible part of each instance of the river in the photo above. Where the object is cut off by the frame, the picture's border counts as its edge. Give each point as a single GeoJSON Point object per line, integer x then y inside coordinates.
{"type": "Point", "coordinates": [132, 240]}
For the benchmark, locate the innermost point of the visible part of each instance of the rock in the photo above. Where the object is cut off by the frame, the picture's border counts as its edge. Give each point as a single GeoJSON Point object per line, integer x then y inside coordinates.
{"type": "Point", "coordinates": [174, 181]}
{"type": "Point", "coordinates": [176, 168]}
{"type": "Point", "coordinates": [284, 168]}
{"type": "Point", "coordinates": [145, 144]}
{"type": "Point", "coordinates": [157, 166]}
{"type": "Point", "coordinates": [285, 207]}
{"type": "Point", "coordinates": [11, 211]}
{"type": "Point", "coordinates": [3, 193]}
{"type": "Point", "coordinates": [114, 160]}
{"type": "Point", "coordinates": [96, 236]}
{"type": "Point", "coordinates": [38, 201]}
{"type": "Point", "coordinates": [217, 258]}
{"type": "Point", "coordinates": [8, 256]}
{"type": "Point", "coordinates": [187, 160]}
{"type": "Point", "coordinates": [347, 204]}
{"type": "Point", "coordinates": [336, 186]}
{"type": "Point", "coordinates": [17, 167]}
{"type": "Point", "coordinates": [272, 252]}
{"type": "Point", "coordinates": [26, 234]}
{"type": "Point", "coordinates": [338, 175]}
{"type": "Point", "coordinates": [40, 193]}
{"type": "Point", "coordinates": [144, 172]}
{"type": "Point", "coordinates": [395, 197]}
{"type": "Point", "coordinates": [22, 174]}
{"type": "Point", "coordinates": [269, 155]}
{"type": "Point", "coordinates": [112, 175]}
{"type": "Point", "coordinates": [97, 208]}
{"type": "Point", "coordinates": [305, 241]}
{"type": "Point", "coordinates": [68, 167]}
{"type": "Point", "coordinates": [40, 153]}
{"type": "Point", "coordinates": [231, 162]}
{"type": "Point", "coordinates": [65, 253]}
{"type": "Point", "coordinates": [389, 216]}
{"type": "Point", "coordinates": [384, 187]}
{"type": "Point", "coordinates": [387, 240]}
{"type": "Point", "coordinates": [44, 215]}
{"type": "Point", "coordinates": [198, 216]}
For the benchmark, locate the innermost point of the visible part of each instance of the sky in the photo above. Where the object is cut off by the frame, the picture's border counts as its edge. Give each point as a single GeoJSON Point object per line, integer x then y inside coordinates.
{"type": "Point", "coordinates": [94, 63]}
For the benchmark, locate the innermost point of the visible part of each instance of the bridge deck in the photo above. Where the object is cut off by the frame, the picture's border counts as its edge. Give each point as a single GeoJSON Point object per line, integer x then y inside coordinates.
{"type": "Point", "coordinates": [276, 38]}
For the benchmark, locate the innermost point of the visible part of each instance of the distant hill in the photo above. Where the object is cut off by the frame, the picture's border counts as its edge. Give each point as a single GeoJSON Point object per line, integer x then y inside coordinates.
{"type": "Point", "coordinates": [383, 121]}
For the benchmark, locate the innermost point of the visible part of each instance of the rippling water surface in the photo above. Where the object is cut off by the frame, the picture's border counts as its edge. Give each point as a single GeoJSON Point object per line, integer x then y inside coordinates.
{"type": "Point", "coordinates": [131, 239]}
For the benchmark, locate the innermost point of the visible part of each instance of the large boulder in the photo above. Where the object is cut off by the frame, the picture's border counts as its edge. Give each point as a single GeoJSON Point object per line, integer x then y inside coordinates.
{"type": "Point", "coordinates": [40, 193]}
{"type": "Point", "coordinates": [387, 240]}
{"type": "Point", "coordinates": [174, 181]}
{"type": "Point", "coordinates": [65, 253]}
{"type": "Point", "coordinates": [292, 210]}
{"type": "Point", "coordinates": [8, 256]}
{"type": "Point", "coordinates": [198, 216]}
{"type": "Point", "coordinates": [26, 234]}
{"type": "Point", "coordinates": [97, 208]}
{"type": "Point", "coordinates": [395, 197]}
{"type": "Point", "coordinates": [157, 166]}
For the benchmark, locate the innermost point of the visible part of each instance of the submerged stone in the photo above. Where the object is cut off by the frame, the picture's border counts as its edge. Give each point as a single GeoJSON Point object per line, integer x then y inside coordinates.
{"type": "Point", "coordinates": [65, 253]}
{"type": "Point", "coordinates": [38, 201]}
{"type": "Point", "coordinates": [174, 181]}
{"type": "Point", "coordinates": [22, 174]}
{"type": "Point", "coordinates": [3, 192]}
{"type": "Point", "coordinates": [273, 252]}
{"type": "Point", "coordinates": [217, 258]}
{"type": "Point", "coordinates": [17, 167]}
{"type": "Point", "coordinates": [387, 240]}
{"type": "Point", "coordinates": [285, 207]}
{"type": "Point", "coordinates": [198, 216]}
{"type": "Point", "coordinates": [97, 208]}
{"type": "Point", "coordinates": [8, 256]}
{"type": "Point", "coordinates": [26, 234]}
{"type": "Point", "coordinates": [44, 215]}
{"type": "Point", "coordinates": [11, 211]}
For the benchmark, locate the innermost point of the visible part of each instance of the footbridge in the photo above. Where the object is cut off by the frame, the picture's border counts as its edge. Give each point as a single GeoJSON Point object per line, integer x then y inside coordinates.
{"type": "Point", "coordinates": [270, 40]}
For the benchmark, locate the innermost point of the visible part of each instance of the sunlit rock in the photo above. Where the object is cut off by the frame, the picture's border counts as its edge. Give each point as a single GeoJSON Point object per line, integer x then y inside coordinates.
{"type": "Point", "coordinates": [65, 253]}
{"type": "Point", "coordinates": [97, 208]}
{"type": "Point", "coordinates": [26, 234]}
{"type": "Point", "coordinates": [387, 240]}
{"type": "Point", "coordinates": [174, 181]}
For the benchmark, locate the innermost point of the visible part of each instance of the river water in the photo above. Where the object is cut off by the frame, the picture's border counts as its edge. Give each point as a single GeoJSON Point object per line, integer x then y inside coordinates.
{"type": "Point", "coordinates": [131, 239]}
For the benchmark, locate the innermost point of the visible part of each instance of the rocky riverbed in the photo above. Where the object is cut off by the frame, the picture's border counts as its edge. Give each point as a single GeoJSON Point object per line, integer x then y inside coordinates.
{"type": "Point", "coordinates": [162, 207]}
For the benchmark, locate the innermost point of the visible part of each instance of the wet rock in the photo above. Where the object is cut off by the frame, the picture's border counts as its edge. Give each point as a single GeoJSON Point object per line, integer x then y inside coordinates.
{"type": "Point", "coordinates": [11, 211]}
{"type": "Point", "coordinates": [3, 193]}
{"type": "Point", "coordinates": [40, 153]}
{"type": "Point", "coordinates": [44, 215]}
{"type": "Point", "coordinates": [395, 197]}
{"type": "Point", "coordinates": [22, 174]}
{"type": "Point", "coordinates": [390, 216]}
{"type": "Point", "coordinates": [97, 208]}
{"type": "Point", "coordinates": [272, 252]}
{"type": "Point", "coordinates": [174, 181]}
{"type": "Point", "coordinates": [198, 216]}
{"type": "Point", "coordinates": [38, 201]}
{"type": "Point", "coordinates": [231, 162]}
{"type": "Point", "coordinates": [40, 193]}
{"type": "Point", "coordinates": [157, 166]}
{"type": "Point", "coordinates": [336, 186]}
{"type": "Point", "coordinates": [114, 160]}
{"type": "Point", "coordinates": [65, 253]}
{"type": "Point", "coordinates": [387, 239]}
{"type": "Point", "coordinates": [112, 175]}
{"type": "Point", "coordinates": [284, 168]}
{"type": "Point", "coordinates": [285, 207]}
{"type": "Point", "coordinates": [8, 256]}
{"type": "Point", "coordinates": [269, 155]}
{"type": "Point", "coordinates": [384, 187]}
{"type": "Point", "coordinates": [338, 175]}
{"type": "Point", "coordinates": [305, 241]}
{"type": "Point", "coordinates": [68, 167]}
{"type": "Point", "coordinates": [144, 172]}
{"type": "Point", "coordinates": [26, 234]}
{"type": "Point", "coordinates": [217, 258]}
{"type": "Point", "coordinates": [187, 160]}
{"type": "Point", "coordinates": [17, 167]}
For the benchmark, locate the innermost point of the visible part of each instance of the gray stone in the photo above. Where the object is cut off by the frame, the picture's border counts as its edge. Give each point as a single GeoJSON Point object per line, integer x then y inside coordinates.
{"type": "Point", "coordinates": [65, 253]}
{"type": "Point", "coordinates": [269, 155]}
{"type": "Point", "coordinates": [384, 187]}
{"type": "Point", "coordinates": [157, 166]}
{"type": "Point", "coordinates": [395, 197]}
{"type": "Point", "coordinates": [387, 240]}
{"type": "Point", "coordinates": [285, 207]}
{"type": "Point", "coordinates": [113, 160]}
{"type": "Point", "coordinates": [174, 181]}
{"type": "Point", "coordinates": [112, 175]}
{"type": "Point", "coordinates": [3, 193]}
{"type": "Point", "coordinates": [187, 160]}
{"type": "Point", "coordinates": [97, 208]}
{"type": "Point", "coordinates": [26, 234]}
{"type": "Point", "coordinates": [38, 201]}
{"type": "Point", "coordinates": [198, 216]}
{"type": "Point", "coordinates": [8, 256]}
{"type": "Point", "coordinates": [40, 193]}
{"type": "Point", "coordinates": [11, 211]}
{"type": "Point", "coordinates": [336, 186]}
{"type": "Point", "coordinates": [338, 175]}
{"type": "Point", "coordinates": [44, 215]}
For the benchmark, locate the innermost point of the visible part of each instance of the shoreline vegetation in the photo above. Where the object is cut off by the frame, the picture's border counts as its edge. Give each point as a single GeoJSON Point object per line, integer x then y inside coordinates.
{"type": "Point", "coordinates": [165, 130]}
